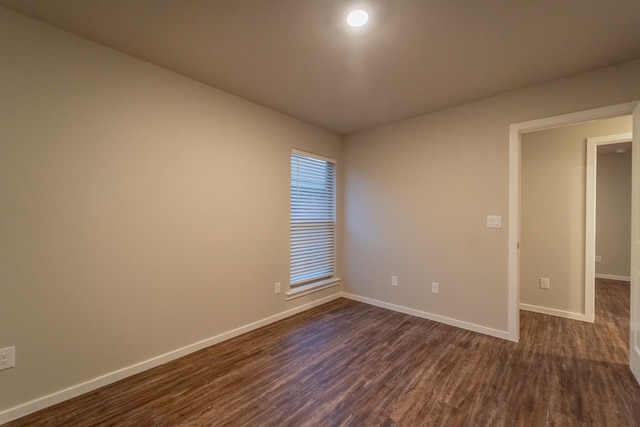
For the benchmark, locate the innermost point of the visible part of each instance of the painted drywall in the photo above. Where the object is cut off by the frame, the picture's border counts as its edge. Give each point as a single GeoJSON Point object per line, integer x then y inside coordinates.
{"type": "Point", "coordinates": [417, 194]}
{"type": "Point", "coordinates": [141, 211]}
{"type": "Point", "coordinates": [125, 235]}
{"type": "Point", "coordinates": [553, 185]}
{"type": "Point", "coordinates": [613, 214]}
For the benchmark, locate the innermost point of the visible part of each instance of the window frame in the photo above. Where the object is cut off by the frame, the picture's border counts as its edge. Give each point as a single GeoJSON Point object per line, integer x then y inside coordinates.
{"type": "Point", "coordinates": [304, 287]}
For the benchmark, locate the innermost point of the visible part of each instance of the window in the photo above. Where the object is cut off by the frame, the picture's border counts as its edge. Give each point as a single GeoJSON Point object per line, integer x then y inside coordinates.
{"type": "Point", "coordinates": [313, 206]}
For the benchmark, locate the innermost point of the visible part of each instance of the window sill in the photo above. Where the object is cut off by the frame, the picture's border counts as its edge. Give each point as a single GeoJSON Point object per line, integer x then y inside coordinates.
{"type": "Point", "coordinates": [300, 291]}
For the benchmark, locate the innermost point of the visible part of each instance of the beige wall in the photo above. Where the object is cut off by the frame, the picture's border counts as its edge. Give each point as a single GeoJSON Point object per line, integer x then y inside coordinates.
{"type": "Point", "coordinates": [553, 185]}
{"type": "Point", "coordinates": [613, 214]}
{"type": "Point", "coordinates": [141, 211]}
{"type": "Point", "coordinates": [417, 194]}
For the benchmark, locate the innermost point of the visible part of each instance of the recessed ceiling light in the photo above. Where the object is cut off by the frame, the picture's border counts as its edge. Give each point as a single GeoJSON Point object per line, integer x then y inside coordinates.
{"type": "Point", "coordinates": [357, 18]}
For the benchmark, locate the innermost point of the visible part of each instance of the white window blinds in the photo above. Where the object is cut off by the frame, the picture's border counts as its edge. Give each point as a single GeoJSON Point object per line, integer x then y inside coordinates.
{"type": "Point", "coordinates": [313, 204]}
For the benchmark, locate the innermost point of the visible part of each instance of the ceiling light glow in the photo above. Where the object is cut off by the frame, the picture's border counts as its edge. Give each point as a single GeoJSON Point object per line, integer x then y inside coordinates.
{"type": "Point", "coordinates": [357, 18]}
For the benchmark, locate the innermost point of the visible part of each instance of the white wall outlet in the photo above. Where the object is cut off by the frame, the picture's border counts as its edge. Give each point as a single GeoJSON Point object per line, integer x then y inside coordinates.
{"type": "Point", "coordinates": [544, 282]}
{"type": "Point", "coordinates": [277, 288]}
{"type": "Point", "coordinates": [394, 280]}
{"type": "Point", "coordinates": [494, 221]}
{"type": "Point", "coordinates": [435, 287]}
{"type": "Point", "coordinates": [598, 258]}
{"type": "Point", "coordinates": [7, 358]}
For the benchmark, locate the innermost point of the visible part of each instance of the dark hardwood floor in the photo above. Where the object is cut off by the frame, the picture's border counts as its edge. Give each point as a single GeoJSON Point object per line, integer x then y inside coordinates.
{"type": "Point", "coordinates": [351, 364]}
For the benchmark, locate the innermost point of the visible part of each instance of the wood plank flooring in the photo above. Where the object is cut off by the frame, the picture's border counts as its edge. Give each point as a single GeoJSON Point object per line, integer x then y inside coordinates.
{"type": "Point", "coordinates": [351, 364]}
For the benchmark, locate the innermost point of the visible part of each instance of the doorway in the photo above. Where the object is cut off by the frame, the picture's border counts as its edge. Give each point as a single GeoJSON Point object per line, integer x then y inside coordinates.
{"type": "Point", "coordinates": [554, 274]}
{"type": "Point", "coordinates": [608, 209]}
{"type": "Point", "coordinates": [516, 132]}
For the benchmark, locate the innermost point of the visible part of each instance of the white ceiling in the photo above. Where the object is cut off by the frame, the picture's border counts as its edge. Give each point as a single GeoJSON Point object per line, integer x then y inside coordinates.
{"type": "Point", "coordinates": [416, 56]}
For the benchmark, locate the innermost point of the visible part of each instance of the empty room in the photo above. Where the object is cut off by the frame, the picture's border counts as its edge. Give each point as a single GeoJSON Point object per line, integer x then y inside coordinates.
{"type": "Point", "coordinates": [319, 213]}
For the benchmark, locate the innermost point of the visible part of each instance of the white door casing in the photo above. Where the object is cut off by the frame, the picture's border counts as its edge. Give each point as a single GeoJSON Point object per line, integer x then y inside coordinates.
{"type": "Point", "coordinates": [515, 131]}
{"type": "Point", "coordinates": [634, 353]}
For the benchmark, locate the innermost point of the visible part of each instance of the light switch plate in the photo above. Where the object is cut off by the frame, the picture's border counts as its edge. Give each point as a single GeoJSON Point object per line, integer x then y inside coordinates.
{"type": "Point", "coordinates": [494, 221]}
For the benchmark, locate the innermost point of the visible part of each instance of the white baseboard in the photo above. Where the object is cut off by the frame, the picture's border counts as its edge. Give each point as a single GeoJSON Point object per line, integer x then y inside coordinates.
{"type": "Point", "coordinates": [430, 316]}
{"type": "Point", "coordinates": [103, 380]}
{"type": "Point", "coordinates": [613, 277]}
{"type": "Point", "coordinates": [555, 312]}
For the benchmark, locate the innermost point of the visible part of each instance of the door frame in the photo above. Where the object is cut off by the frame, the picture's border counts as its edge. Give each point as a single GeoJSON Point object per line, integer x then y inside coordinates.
{"type": "Point", "coordinates": [590, 217]}
{"type": "Point", "coordinates": [515, 132]}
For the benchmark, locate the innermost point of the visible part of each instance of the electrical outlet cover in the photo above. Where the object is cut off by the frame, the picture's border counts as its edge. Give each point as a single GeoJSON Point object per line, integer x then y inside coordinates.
{"type": "Point", "coordinates": [7, 358]}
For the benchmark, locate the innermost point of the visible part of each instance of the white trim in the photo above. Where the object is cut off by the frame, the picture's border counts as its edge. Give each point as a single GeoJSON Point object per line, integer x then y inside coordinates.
{"type": "Point", "coordinates": [513, 256]}
{"type": "Point", "coordinates": [590, 229]}
{"type": "Point", "coordinates": [300, 291]}
{"type": "Point", "coordinates": [613, 277]}
{"type": "Point", "coordinates": [554, 312]}
{"type": "Point", "coordinates": [634, 345]}
{"type": "Point", "coordinates": [515, 130]}
{"type": "Point", "coordinates": [572, 118]}
{"type": "Point", "coordinates": [611, 139]}
{"type": "Point", "coordinates": [430, 316]}
{"type": "Point", "coordinates": [634, 320]}
{"type": "Point", "coordinates": [313, 155]}
{"type": "Point", "coordinates": [103, 380]}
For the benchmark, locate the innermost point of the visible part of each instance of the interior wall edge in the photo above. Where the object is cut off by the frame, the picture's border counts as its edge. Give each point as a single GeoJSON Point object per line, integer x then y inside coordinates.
{"type": "Point", "coordinates": [555, 312]}
{"type": "Point", "coordinates": [473, 327]}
